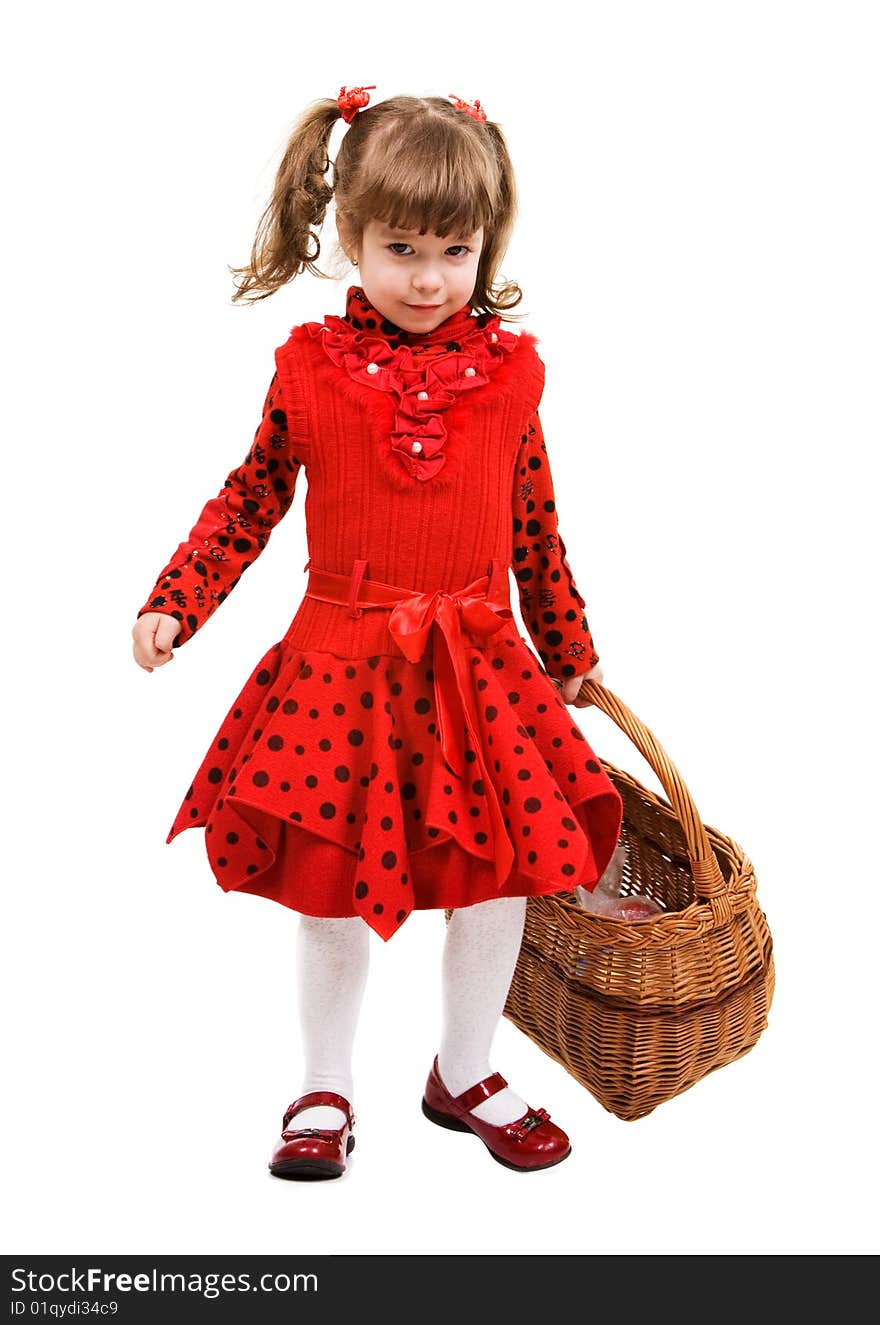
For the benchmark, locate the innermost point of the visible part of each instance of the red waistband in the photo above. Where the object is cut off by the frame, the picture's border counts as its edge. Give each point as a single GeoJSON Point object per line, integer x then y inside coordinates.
{"type": "Point", "coordinates": [358, 594]}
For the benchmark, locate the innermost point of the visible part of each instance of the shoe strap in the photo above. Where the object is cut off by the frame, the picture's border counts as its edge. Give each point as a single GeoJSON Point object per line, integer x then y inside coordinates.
{"type": "Point", "coordinates": [317, 1097]}
{"type": "Point", "coordinates": [483, 1090]}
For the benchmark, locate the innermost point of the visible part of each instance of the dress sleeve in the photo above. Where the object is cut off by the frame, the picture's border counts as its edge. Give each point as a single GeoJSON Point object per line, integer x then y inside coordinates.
{"type": "Point", "coordinates": [552, 608]}
{"type": "Point", "coordinates": [233, 527]}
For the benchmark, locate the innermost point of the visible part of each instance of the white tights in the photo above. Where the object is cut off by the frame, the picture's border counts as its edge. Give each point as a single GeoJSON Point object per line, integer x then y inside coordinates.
{"type": "Point", "coordinates": [479, 956]}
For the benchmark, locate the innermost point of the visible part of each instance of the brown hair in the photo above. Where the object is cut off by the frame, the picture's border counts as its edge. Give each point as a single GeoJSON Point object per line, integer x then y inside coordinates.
{"type": "Point", "coordinates": [413, 162]}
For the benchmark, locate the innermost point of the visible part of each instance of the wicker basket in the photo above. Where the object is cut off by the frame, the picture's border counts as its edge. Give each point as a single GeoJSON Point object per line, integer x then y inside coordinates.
{"type": "Point", "coordinates": [638, 1013]}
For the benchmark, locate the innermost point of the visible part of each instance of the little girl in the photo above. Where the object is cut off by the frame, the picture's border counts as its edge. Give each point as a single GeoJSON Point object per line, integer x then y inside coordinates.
{"type": "Point", "coordinates": [401, 748]}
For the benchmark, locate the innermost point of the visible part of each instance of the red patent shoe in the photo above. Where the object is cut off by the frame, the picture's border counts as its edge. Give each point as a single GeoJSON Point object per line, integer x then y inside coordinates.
{"type": "Point", "coordinates": [314, 1152]}
{"type": "Point", "coordinates": [531, 1142]}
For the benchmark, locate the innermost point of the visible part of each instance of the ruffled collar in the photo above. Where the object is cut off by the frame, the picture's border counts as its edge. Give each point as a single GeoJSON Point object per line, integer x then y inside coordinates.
{"type": "Point", "coordinates": [425, 372]}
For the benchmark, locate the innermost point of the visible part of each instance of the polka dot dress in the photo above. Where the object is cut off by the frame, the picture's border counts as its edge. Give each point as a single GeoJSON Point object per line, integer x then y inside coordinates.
{"type": "Point", "coordinates": [326, 787]}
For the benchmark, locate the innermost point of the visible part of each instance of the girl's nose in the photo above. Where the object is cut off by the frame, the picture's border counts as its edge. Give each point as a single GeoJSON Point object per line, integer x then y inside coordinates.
{"type": "Point", "coordinates": [427, 279]}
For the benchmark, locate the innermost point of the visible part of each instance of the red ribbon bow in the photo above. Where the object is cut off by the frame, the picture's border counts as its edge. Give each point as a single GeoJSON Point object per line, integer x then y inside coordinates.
{"type": "Point", "coordinates": [353, 100]}
{"type": "Point", "coordinates": [475, 111]}
{"type": "Point", "coordinates": [410, 624]}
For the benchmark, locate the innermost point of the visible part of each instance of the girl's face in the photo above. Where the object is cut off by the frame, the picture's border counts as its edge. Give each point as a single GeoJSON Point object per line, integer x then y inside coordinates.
{"type": "Point", "coordinates": [417, 281]}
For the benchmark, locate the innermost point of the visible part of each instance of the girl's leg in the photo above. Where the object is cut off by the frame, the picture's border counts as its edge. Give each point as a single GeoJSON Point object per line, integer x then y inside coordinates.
{"type": "Point", "coordinates": [479, 957]}
{"type": "Point", "coordinates": [332, 959]}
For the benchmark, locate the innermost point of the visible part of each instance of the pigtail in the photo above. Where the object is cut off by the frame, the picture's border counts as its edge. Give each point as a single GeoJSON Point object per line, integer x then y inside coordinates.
{"type": "Point", "coordinates": [296, 209]}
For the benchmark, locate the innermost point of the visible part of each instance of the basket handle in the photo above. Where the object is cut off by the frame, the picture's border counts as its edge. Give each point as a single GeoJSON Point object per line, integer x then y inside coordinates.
{"type": "Point", "coordinates": [709, 882]}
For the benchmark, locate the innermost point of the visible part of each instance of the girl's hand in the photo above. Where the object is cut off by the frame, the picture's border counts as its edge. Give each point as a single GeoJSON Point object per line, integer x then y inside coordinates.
{"type": "Point", "coordinates": [153, 634]}
{"type": "Point", "coordinates": [572, 684]}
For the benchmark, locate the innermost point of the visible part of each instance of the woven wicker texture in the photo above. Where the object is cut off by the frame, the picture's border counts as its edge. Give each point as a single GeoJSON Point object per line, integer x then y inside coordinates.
{"type": "Point", "coordinates": [638, 1013]}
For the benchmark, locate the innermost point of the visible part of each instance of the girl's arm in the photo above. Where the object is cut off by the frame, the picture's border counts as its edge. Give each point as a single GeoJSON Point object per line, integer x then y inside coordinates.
{"type": "Point", "coordinates": [552, 607]}
{"type": "Point", "coordinates": [233, 527]}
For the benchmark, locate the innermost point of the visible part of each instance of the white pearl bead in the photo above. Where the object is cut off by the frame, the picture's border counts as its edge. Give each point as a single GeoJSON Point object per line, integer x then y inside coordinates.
{"type": "Point", "coordinates": [372, 368]}
{"type": "Point", "coordinates": [470, 372]}
{"type": "Point", "coordinates": [423, 395]}
{"type": "Point", "coordinates": [416, 446]}
{"type": "Point", "coordinates": [494, 337]}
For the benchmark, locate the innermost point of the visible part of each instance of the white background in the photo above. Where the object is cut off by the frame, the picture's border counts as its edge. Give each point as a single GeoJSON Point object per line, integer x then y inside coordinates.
{"type": "Point", "coordinates": [697, 245]}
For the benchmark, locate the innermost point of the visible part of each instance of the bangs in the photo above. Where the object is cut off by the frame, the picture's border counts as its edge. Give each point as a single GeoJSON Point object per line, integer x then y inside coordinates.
{"type": "Point", "coordinates": [429, 181]}
{"type": "Point", "coordinates": [453, 214]}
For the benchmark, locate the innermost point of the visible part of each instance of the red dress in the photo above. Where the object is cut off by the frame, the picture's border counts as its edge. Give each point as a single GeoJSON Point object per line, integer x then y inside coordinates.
{"type": "Point", "coordinates": [327, 786]}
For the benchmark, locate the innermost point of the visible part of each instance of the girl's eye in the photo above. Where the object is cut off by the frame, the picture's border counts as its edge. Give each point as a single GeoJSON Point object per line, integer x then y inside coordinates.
{"type": "Point", "coordinates": [400, 244]}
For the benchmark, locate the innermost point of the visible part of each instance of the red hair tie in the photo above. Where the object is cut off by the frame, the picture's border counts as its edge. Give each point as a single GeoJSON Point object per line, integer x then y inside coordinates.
{"type": "Point", "coordinates": [475, 111]}
{"type": "Point", "coordinates": [353, 100]}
